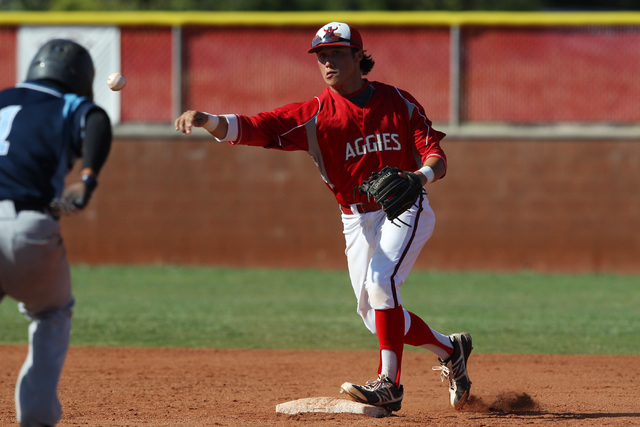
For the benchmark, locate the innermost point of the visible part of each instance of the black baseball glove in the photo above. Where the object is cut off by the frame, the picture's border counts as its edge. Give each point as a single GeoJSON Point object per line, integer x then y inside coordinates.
{"type": "Point", "coordinates": [393, 192]}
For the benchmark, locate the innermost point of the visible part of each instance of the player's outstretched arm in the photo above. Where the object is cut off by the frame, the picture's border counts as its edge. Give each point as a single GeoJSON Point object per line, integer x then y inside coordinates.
{"type": "Point", "coordinates": [215, 125]}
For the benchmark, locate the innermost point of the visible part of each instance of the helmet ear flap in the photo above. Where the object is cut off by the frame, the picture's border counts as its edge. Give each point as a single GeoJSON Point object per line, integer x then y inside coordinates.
{"type": "Point", "coordinates": [65, 62]}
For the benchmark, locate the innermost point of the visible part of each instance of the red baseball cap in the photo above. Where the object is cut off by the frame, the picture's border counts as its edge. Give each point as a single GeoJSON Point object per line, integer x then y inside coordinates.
{"type": "Point", "coordinates": [336, 34]}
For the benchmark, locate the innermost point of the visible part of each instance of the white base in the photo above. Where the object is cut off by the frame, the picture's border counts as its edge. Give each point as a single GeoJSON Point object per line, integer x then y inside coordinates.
{"type": "Point", "coordinates": [332, 405]}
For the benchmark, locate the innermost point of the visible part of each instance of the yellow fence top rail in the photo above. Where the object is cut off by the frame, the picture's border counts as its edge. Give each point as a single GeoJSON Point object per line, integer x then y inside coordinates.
{"type": "Point", "coordinates": [382, 18]}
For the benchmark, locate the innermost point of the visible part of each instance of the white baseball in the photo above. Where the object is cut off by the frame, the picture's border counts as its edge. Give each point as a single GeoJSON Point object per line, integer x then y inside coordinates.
{"type": "Point", "coordinates": [116, 81]}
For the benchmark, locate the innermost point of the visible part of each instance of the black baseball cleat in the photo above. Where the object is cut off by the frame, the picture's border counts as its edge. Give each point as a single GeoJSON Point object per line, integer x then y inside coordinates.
{"type": "Point", "coordinates": [379, 392]}
{"type": "Point", "coordinates": [455, 369]}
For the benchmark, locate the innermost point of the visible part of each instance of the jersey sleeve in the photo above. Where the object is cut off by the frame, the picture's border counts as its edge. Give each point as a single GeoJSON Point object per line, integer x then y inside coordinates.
{"type": "Point", "coordinates": [427, 139]}
{"type": "Point", "coordinates": [283, 128]}
{"type": "Point", "coordinates": [82, 136]}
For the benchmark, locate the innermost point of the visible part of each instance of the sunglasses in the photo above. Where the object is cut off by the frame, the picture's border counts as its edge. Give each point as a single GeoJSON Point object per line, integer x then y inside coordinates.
{"type": "Point", "coordinates": [330, 38]}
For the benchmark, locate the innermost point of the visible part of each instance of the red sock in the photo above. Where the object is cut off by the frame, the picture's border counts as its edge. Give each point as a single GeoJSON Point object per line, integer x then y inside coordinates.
{"type": "Point", "coordinates": [390, 329]}
{"type": "Point", "coordinates": [419, 334]}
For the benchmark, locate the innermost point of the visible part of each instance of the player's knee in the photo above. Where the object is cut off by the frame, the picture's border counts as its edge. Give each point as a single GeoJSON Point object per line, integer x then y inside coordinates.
{"type": "Point", "coordinates": [380, 298]}
{"type": "Point", "coordinates": [66, 311]}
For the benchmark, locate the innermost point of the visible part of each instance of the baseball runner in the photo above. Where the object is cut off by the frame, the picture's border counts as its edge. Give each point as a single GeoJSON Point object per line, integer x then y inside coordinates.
{"type": "Point", "coordinates": [353, 130]}
{"type": "Point", "coordinates": [46, 124]}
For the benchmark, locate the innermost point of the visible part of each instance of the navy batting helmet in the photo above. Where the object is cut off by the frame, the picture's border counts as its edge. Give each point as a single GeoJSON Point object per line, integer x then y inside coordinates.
{"type": "Point", "coordinates": [65, 62]}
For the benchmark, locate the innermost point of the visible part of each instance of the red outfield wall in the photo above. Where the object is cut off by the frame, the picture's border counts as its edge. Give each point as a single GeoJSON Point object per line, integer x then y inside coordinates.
{"type": "Point", "coordinates": [548, 205]}
{"type": "Point", "coordinates": [510, 74]}
{"type": "Point", "coordinates": [562, 205]}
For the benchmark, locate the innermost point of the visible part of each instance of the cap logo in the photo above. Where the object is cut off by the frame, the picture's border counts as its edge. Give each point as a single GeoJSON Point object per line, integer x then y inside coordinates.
{"type": "Point", "coordinates": [330, 32]}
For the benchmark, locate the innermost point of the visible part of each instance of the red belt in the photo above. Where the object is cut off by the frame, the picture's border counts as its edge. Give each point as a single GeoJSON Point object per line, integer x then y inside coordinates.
{"type": "Point", "coordinates": [360, 208]}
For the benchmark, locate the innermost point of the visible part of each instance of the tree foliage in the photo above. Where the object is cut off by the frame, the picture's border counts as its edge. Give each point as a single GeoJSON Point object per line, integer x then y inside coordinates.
{"type": "Point", "coordinates": [314, 5]}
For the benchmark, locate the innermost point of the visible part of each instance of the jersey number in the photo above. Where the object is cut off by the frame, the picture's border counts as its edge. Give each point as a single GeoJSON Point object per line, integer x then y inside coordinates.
{"type": "Point", "coordinates": [7, 115]}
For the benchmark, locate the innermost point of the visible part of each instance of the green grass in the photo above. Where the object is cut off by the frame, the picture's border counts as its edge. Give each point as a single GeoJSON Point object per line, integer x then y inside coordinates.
{"type": "Point", "coordinates": [172, 306]}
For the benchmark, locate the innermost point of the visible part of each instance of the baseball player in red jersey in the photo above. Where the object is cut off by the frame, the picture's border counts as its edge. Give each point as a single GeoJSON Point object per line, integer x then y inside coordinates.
{"type": "Point", "coordinates": [353, 128]}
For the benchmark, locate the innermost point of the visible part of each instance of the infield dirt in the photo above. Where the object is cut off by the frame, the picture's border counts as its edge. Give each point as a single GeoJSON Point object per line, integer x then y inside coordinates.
{"type": "Point", "coordinates": [215, 387]}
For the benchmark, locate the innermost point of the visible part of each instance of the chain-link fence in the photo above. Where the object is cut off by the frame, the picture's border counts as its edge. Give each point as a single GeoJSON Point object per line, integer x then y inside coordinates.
{"type": "Point", "coordinates": [539, 71]}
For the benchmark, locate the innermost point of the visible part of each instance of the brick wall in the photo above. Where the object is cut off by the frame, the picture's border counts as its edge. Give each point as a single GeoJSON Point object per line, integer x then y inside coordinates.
{"type": "Point", "coordinates": [563, 205]}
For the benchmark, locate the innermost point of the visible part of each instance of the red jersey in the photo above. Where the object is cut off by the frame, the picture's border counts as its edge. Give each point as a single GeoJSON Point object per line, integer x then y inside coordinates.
{"type": "Point", "coordinates": [347, 142]}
